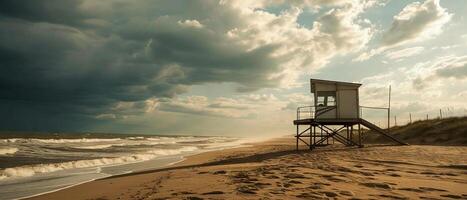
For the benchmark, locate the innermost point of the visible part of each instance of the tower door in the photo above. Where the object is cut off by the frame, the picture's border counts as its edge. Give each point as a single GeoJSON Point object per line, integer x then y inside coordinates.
{"type": "Point", "coordinates": [347, 104]}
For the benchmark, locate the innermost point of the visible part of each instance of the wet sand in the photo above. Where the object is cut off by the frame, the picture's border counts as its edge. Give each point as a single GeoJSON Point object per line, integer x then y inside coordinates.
{"type": "Point", "coordinates": [274, 170]}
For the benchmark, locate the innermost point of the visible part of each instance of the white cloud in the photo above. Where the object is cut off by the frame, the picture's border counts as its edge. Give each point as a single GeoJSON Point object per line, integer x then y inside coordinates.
{"type": "Point", "coordinates": [190, 23]}
{"type": "Point", "coordinates": [301, 49]}
{"type": "Point", "coordinates": [416, 22]}
{"type": "Point", "coordinates": [403, 53]}
{"type": "Point", "coordinates": [298, 99]}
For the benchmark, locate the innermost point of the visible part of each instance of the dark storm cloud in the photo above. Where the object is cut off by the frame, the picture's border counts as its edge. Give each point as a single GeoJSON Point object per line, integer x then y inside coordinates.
{"type": "Point", "coordinates": [53, 11]}
{"type": "Point", "coordinates": [66, 62]}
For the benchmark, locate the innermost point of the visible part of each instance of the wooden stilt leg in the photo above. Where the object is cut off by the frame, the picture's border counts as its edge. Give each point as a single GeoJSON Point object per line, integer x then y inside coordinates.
{"type": "Point", "coordinates": [314, 136]}
{"type": "Point", "coordinates": [347, 134]}
{"type": "Point", "coordinates": [359, 136]}
{"type": "Point", "coordinates": [297, 138]}
{"type": "Point", "coordinates": [311, 144]}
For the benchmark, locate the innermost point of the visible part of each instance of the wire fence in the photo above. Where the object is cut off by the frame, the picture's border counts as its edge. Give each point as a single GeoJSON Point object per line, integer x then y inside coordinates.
{"type": "Point", "coordinates": [398, 118]}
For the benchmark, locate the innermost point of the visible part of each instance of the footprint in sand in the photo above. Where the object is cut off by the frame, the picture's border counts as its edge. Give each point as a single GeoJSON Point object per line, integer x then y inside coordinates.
{"type": "Point", "coordinates": [429, 198]}
{"type": "Point", "coordinates": [247, 189]}
{"type": "Point", "coordinates": [366, 173]}
{"type": "Point", "coordinates": [213, 192]}
{"type": "Point", "coordinates": [411, 189]}
{"type": "Point", "coordinates": [330, 194]}
{"type": "Point", "coordinates": [310, 196]}
{"type": "Point", "coordinates": [295, 182]}
{"type": "Point", "coordinates": [316, 186]}
{"type": "Point", "coordinates": [452, 196]}
{"type": "Point", "coordinates": [358, 166]}
{"type": "Point", "coordinates": [333, 178]}
{"type": "Point", "coordinates": [277, 191]}
{"type": "Point", "coordinates": [220, 172]}
{"type": "Point", "coordinates": [394, 175]}
{"type": "Point", "coordinates": [377, 185]}
{"type": "Point", "coordinates": [262, 185]}
{"type": "Point", "coordinates": [389, 196]}
{"type": "Point", "coordinates": [193, 198]}
{"type": "Point", "coordinates": [449, 174]}
{"type": "Point", "coordinates": [432, 189]}
{"type": "Point", "coordinates": [272, 177]}
{"type": "Point", "coordinates": [344, 169]}
{"type": "Point", "coordinates": [346, 193]}
{"type": "Point", "coordinates": [294, 175]}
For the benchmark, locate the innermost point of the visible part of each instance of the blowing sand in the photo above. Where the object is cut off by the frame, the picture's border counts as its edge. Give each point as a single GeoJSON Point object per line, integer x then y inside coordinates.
{"type": "Point", "coordinates": [274, 170]}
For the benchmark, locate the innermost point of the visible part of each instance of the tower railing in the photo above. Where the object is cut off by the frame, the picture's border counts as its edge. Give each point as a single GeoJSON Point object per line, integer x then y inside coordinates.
{"type": "Point", "coordinates": [310, 112]}
{"type": "Point", "coordinates": [306, 112]}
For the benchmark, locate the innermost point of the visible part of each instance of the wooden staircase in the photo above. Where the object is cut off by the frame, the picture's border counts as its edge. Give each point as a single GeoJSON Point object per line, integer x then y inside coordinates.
{"type": "Point", "coordinates": [380, 131]}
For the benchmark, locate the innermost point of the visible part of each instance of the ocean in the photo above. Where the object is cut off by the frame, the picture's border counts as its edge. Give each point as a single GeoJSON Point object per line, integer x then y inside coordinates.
{"type": "Point", "coordinates": [32, 166]}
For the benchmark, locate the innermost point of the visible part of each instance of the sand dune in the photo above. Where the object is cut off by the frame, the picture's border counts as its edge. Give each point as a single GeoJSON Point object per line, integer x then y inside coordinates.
{"type": "Point", "coordinates": [449, 131]}
{"type": "Point", "coordinates": [273, 170]}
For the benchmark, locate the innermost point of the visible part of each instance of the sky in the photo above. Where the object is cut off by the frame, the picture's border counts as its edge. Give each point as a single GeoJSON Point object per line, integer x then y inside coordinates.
{"type": "Point", "coordinates": [223, 67]}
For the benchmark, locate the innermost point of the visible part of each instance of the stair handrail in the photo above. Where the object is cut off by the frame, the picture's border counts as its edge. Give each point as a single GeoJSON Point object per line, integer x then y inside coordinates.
{"type": "Point", "coordinates": [310, 110]}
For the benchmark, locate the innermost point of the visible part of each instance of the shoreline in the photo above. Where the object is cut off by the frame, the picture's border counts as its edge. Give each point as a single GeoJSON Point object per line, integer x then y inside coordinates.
{"type": "Point", "coordinates": [181, 159]}
{"type": "Point", "coordinates": [273, 169]}
{"type": "Point", "coordinates": [110, 176]}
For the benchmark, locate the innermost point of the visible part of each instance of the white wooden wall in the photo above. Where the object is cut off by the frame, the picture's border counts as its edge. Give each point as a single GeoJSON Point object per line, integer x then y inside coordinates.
{"type": "Point", "coordinates": [346, 97]}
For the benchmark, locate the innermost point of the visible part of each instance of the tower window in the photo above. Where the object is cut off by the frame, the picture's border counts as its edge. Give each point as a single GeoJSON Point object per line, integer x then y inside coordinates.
{"type": "Point", "coordinates": [326, 98]}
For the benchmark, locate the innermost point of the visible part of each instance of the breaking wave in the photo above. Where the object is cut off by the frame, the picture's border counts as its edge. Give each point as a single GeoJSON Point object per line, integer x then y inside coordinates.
{"type": "Point", "coordinates": [9, 140]}
{"type": "Point", "coordinates": [102, 146]}
{"type": "Point", "coordinates": [81, 140]}
{"type": "Point", "coordinates": [8, 150]}
{"type": "Point", "coordinates": [30, 170]}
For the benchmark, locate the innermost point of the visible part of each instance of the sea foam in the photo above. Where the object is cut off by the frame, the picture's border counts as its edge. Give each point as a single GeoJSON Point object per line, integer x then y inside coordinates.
{"type": "Point", "coordinates": [81, 140]}
{"type": "Point", "coordinates": [30, 170]}
{"type": "Point", "coordinates": [8, 150]}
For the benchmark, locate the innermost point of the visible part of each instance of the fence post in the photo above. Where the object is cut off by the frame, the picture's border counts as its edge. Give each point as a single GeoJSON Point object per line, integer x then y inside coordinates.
{"type": "Point", "coordinates": [389, 109]}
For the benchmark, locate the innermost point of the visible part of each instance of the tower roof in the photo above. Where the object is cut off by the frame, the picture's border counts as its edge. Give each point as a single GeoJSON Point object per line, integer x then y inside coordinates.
{"type": "Point", "coordinates": [329, 82]}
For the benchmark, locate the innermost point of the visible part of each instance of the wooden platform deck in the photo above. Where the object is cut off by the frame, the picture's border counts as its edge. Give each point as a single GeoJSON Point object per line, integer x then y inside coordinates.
{"type": "Point", "coordinates": [322, 124]}
{"type": "Point", "coordinates": [313, 121]}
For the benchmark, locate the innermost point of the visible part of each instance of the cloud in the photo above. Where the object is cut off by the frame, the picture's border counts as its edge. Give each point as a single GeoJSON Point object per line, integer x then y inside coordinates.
{"type": "Point", "coordinates": [431, 73]}
{"type": "Point", "coordinates": [201, 105]}
{"type": "Point", "coordinates": [412, 107]}
{"type": "Point", "coordinates": [416, 22]}
{"type": "Point", "coordinates": [190, 23]}
{"type": "Point", "coordinates": [301, 49]}
{"type": "Point", "coordinates": [456, 69]}
{"type": "Point", "coordinates": [107, 59]}
{"type": "Point", "coordinates": [403, 53]}
{"type": "Point", "coordinates": [296, 100]}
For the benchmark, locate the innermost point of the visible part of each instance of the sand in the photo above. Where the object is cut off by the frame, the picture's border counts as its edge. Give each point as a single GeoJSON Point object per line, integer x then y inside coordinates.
{"type": "Point", "coordinates": [274, 170]}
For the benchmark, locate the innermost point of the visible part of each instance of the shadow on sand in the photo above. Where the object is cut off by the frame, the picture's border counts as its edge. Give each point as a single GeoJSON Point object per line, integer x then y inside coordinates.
{"type": "Point", "coordinates": [255, 158]}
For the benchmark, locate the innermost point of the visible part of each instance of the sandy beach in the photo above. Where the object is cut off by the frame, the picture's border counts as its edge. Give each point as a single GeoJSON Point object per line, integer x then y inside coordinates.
{"type": "Point", "coordinates": [274, 170]}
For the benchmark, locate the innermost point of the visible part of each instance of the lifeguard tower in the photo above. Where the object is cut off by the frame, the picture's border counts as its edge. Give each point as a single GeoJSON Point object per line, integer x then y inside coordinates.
{"type": "Point", "coordinates": [335, 104]}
